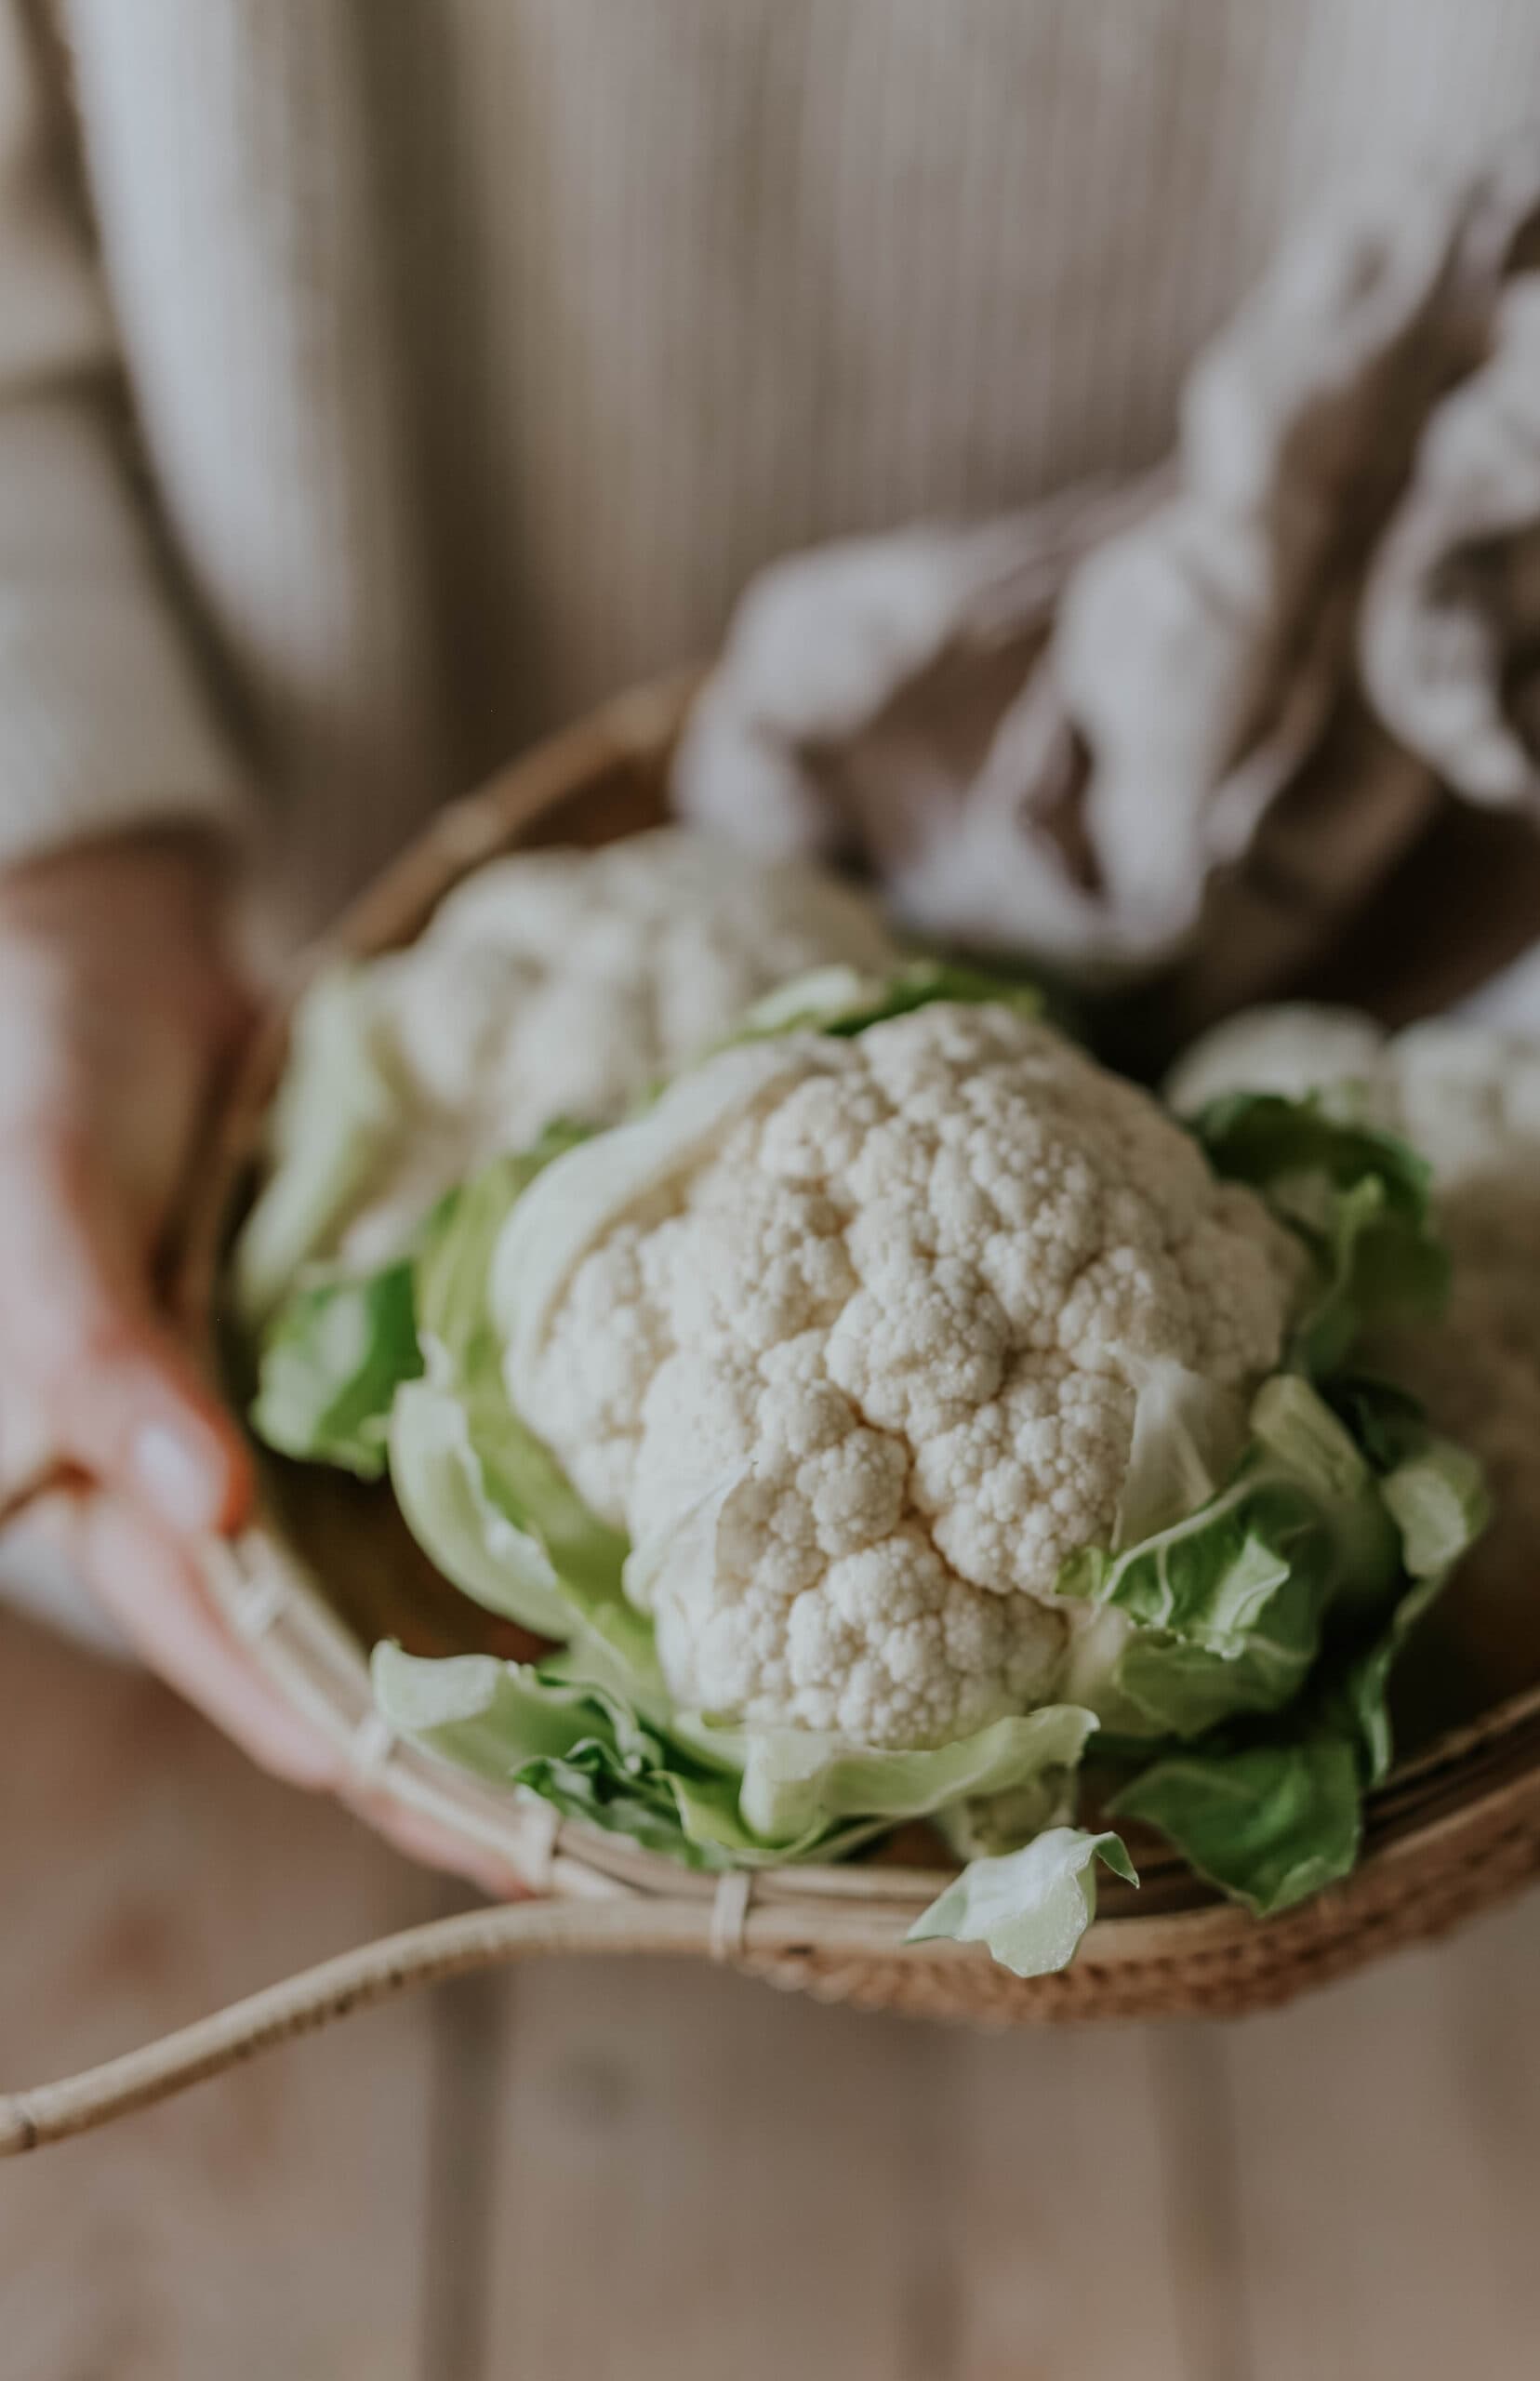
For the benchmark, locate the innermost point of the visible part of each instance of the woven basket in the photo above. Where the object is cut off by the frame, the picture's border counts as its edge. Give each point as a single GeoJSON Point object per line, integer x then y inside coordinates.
{"type": "Point", "coordinates": [328, 1570]}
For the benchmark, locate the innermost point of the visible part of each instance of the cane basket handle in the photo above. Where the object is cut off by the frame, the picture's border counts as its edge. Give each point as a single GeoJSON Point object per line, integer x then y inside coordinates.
{"type": "Point", "coordinates": [300, 2005]}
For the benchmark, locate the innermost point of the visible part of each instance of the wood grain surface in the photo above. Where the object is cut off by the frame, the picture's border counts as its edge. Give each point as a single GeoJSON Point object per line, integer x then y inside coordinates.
{"type": "Point", "coordinates": [664, 2173]}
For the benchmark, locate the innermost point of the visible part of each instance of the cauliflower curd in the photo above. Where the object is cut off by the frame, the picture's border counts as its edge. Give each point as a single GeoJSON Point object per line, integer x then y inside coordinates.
{"type": "Point", "coordinates": [858, 1371]}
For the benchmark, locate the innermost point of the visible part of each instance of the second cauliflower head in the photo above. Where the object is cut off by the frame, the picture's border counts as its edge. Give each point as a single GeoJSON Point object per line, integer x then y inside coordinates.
{"type": "Point", "coordinates": [1467, 1095]}
{"type": "Point", "coordinates": [549, 984]}
{"type": "Point", "coordinates": [848, 1335]}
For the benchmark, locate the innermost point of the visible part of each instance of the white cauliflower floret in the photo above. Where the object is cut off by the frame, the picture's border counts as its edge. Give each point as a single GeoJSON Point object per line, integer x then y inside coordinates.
{"type": "Point", "coordinates": [561, 983]}
{"type": "Point", "coordinates": [860, 1374]}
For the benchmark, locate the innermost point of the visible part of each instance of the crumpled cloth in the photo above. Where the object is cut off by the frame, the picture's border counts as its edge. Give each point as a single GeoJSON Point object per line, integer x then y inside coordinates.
{"type": "Point", "coordinates": [1184, 723]}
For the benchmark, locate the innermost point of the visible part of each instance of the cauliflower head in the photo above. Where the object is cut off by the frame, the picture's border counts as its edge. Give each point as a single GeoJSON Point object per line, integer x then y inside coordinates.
{"type": "Point", "coordinates": [849, 1336]}
{"type": "Point", "coordinates": [889, 1400]}
{"type": "Point", "coordinates": [550, 984]}
{"type": "Point", "coordinates": [1467, 1095]}
{"type": "Point", "coordinates": [563, 982]}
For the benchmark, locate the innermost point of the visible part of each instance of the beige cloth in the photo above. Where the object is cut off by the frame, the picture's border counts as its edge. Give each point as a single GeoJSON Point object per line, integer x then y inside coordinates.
{"type": "Point", "coordinates": [1099, 739]}
{"type": "Point", "coordinates": [480, 352]}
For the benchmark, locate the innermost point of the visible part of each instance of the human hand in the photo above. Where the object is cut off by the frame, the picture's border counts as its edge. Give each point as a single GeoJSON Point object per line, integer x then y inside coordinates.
{"type": "Point", "coordinates": [119, 1005]}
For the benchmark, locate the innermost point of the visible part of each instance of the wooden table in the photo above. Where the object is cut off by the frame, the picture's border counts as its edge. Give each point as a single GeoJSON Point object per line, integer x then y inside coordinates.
{"type": "Point", "coordinates": [668, 2174]}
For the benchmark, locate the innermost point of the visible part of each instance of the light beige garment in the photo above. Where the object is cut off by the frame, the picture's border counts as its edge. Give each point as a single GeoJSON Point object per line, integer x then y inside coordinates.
{"type": "Point", "coordinates": [481, 351]}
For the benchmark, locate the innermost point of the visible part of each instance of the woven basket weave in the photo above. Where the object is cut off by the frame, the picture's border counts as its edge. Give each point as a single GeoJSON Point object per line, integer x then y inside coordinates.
{"type": "Point", "coordinates": [328, 1570]}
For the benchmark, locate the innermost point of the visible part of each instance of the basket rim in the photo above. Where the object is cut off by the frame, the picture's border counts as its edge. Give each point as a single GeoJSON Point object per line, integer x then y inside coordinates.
{"type": "Point", "coordinates": [1449, 1787]}
{"type": "Point", "coordinates": [245, 1580]}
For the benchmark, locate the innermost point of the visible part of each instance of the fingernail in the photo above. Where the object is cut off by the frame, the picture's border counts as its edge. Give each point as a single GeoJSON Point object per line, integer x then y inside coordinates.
{"type": "Point", "coordinates": [173, 1476]}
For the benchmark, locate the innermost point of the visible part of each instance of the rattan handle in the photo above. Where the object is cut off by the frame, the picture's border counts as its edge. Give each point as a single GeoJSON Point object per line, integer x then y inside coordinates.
{"type": "Point", "coordinates": [447, 1946]}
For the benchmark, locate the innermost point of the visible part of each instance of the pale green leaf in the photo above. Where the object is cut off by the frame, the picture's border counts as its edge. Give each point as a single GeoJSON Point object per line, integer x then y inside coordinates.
{"type": "Point", "coordinates": [329, 1368]}
{"type": "Point", "coordinates": [1029, 1907]}
{"type": "Point", "coordinates": [797, 1783]}
{"type": "Point", "coordinates": [333, 1126]}
{"type": "Point", "coordinates": [1269, 1824]}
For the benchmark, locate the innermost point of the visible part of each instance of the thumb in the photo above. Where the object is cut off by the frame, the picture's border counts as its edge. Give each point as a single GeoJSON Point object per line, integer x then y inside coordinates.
{"type": "Point", "coordinates": [115, 1392]}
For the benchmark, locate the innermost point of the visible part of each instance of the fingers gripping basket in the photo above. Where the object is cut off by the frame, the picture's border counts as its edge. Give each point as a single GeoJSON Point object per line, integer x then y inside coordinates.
{"type": "Point", "coordinates": [327, 1571]}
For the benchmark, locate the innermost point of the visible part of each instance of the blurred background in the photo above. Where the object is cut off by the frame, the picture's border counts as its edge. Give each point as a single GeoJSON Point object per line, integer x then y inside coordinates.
{"type": "Point", "coordinates": [665, 2173]}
